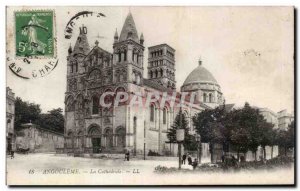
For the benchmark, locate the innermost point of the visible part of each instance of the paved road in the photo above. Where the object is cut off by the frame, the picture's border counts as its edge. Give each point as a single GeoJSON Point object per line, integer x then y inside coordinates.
{"type": "Point", "coordinates": [52, 169]}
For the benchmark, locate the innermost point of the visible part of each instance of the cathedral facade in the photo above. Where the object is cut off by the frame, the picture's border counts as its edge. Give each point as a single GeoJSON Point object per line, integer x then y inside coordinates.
{"type": "Point", "coordinates": [92, 128]}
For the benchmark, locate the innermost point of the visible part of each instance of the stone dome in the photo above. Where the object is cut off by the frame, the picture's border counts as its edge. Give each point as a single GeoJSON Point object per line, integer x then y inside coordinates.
{"type": "Point", "coordinates": [206, 87]}
{"type": "Point", "coordinates": [200, 74]}
{"type": "Point", "coordinates": [199, 78]}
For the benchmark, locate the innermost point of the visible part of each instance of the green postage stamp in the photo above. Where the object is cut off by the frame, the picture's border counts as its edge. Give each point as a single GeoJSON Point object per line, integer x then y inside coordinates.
{"type": "Point", "coordinates": [34, 33]}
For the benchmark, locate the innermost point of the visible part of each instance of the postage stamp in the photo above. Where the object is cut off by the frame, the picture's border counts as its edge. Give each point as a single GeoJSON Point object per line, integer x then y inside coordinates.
{"type": "Point", "coordinates": [32, 42]}
{"type": "Point", "coordinates": [150, 96]}
{"type": "Point", "coordinates": [34, 33]}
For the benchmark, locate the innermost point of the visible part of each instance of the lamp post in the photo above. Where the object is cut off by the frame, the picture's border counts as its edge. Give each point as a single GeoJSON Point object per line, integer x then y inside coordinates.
{"type": "Point", "coordinates": [198, 140]}
{"type": "Point", "coordinates": [179, 138]}
{"type": "Point", "coordinates": [144, 140]}
{"type": "Point", "coordinates": [180, 134]}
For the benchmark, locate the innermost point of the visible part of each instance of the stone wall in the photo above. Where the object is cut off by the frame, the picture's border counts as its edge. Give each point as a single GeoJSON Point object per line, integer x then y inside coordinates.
{"type": "Point", "coordinates": [38, 140]}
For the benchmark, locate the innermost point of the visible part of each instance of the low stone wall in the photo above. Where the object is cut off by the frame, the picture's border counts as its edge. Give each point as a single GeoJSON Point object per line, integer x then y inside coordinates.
{"type": "Point", "coordinates": [38, 140]}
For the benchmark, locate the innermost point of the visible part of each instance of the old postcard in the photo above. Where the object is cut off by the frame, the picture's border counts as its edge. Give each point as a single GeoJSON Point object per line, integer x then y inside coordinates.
{"type": "Point", "coordinates": [150, 95]}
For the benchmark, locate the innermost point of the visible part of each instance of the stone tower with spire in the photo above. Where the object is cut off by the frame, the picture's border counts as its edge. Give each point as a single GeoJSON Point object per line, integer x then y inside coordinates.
{"type": "Point", "coordinates": [75, 59]}
{"type": "Point", "coordinates": [128, 53]}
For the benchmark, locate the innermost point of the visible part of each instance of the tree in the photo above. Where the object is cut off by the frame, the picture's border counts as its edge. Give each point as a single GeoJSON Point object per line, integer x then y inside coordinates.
{"type": "Point", "coordinates": [281, 140]}
{"type": "Point", "coordinates": [53, 120]}
{"type": "Point", "coordinates": [189, 142]}
{"type": "Point", "coordinates": [25, 112]}
{"type": "Point", "coordinates": [286, 138]}
{"type": "Point", "coordinates": [247, 129]}
{"type": "Point", "coordinates": [209, 124]}
{"type": "Point", "coordinates": [266, 135]}
{"type": "Point", "coordinates": [291, 135]}
{"type": "Point", "coordinates": [273, 141]}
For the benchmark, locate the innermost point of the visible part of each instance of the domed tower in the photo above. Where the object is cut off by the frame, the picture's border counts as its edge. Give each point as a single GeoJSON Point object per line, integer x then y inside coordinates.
{"type": "Point", "coordinates": [207, 89]}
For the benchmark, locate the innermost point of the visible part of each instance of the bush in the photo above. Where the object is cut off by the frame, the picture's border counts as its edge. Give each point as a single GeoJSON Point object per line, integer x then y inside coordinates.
{"type": "Point", "coordinates": [229, 165]}
{"type": "Point", "coordinates": [203, 168]}
{"type": "Point", "coordinates": [163, 169]}
{"type": "Point", "coordinates": [153, 153]}
{"type": "Point", "coordinates": [269, 164]}
{"type": "Point", "coordinates": [280, 160]}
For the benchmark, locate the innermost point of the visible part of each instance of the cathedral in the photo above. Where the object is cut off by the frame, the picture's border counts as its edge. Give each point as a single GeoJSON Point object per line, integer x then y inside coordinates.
{"type": "Point", "coordinates": [92, 71]}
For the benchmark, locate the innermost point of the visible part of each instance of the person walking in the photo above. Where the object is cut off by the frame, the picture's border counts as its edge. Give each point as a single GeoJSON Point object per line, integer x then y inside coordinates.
{"type": "Point", "coordinates": [12, 154]}
{"type": "Point", "coordinates": [233, 161]}
{"type": "Point", "coordinates": [223, 158]}
{"type": "Point", "coordinates": [127, 155]}
{"type": "Point", "coordinates": [189, 160]}
{"type": "Point", "coordinates": [195, 164]}
{"type": "Point", "coordinates": [183, 158]}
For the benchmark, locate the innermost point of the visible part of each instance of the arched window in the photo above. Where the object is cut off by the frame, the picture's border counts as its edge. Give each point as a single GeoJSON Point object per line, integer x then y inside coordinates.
{"type": "Point", "coordinates": [125, 55]}
{"type": "Point", "coordinates": [161, 72]}
{"type": "Point", "coordinates": [210, 98]}
{"type": "Point", "coordinates": [121, 89]}
{"type": "Point", "coordinates": [76, 66]}
{"type": "Point", "coordinates": [137, 57]}
{"type": "Point", "coordinates": [168, 119]}
{"type": "Point", "coordinates": [70, 140]}
{"type": "Point", "coordinates": [164, 116]}
{"type": "Point", "coordinates": [95, 109]}
{"type": "Point", "coordinates": [121, 137]}
{"type": "Point", "coordinates": [79, 140]}
{"type": "Point", "coordinates": [204, 97]}
{"type": "Point", "coordinates": [70, 104]}
{"type": "Point", "coordinates": [156, 73]}
{"type": "Point", "coordinates": [119, 56]}
{"type": "Point", "coordinates": [108, 138]}
{"type": "Point", "coordinates": [95, 135]}
{"type": "Point", "coordinates": [109, 99]}
{"type": "Point", "coordinates": [94, 74]}
{"type": "Point", "coordinates": [152, 113]}
{"type": "Point", "coordinates": [121, 77]}
{"type": "Point", "coordinates": [137, 78]}
{"type": "Point", "coordinates": [133, 55]}
{"type": "Point", "coordinates": [80, 102]}
{"type": "Point", "coordinates": [151, 74]}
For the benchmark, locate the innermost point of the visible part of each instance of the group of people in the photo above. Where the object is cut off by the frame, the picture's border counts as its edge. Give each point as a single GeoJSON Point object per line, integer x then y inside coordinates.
{"type": "Point", "coordinates": [190, 161]}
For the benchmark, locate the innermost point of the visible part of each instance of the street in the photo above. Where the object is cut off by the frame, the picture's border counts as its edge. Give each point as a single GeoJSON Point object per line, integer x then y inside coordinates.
{"type": "Point", "coordinates": [54, 169]}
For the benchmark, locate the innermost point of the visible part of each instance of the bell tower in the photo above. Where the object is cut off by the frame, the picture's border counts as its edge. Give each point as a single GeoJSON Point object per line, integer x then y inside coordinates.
{"type": "Point", "coordinates": [128, 53]}
{"type": "Point", "coordinates": [78, 53]}
{"type": "Point", "coordinates": [161, 65]}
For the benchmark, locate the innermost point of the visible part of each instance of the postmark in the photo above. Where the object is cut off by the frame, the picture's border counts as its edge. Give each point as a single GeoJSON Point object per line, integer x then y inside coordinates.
{"type": "Point", "coordinates": [34, 33]}
{"type": "Point", "coordinates": [72, 22]}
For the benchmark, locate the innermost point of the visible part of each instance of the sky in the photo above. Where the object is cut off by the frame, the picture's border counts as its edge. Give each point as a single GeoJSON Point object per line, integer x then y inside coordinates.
{"type": "Point", "coordinates": [249, 50]}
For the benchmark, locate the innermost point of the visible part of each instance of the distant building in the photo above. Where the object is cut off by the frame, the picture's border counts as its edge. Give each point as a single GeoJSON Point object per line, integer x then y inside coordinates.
{"type": "Point", "coordinates": [284, 119]}
{"type": "Point", "coordinates": [269, 116]}
{"type": "Point", "coordinates": [10, 118]}
{"type": "Point", "coordinates": [38, 139]}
